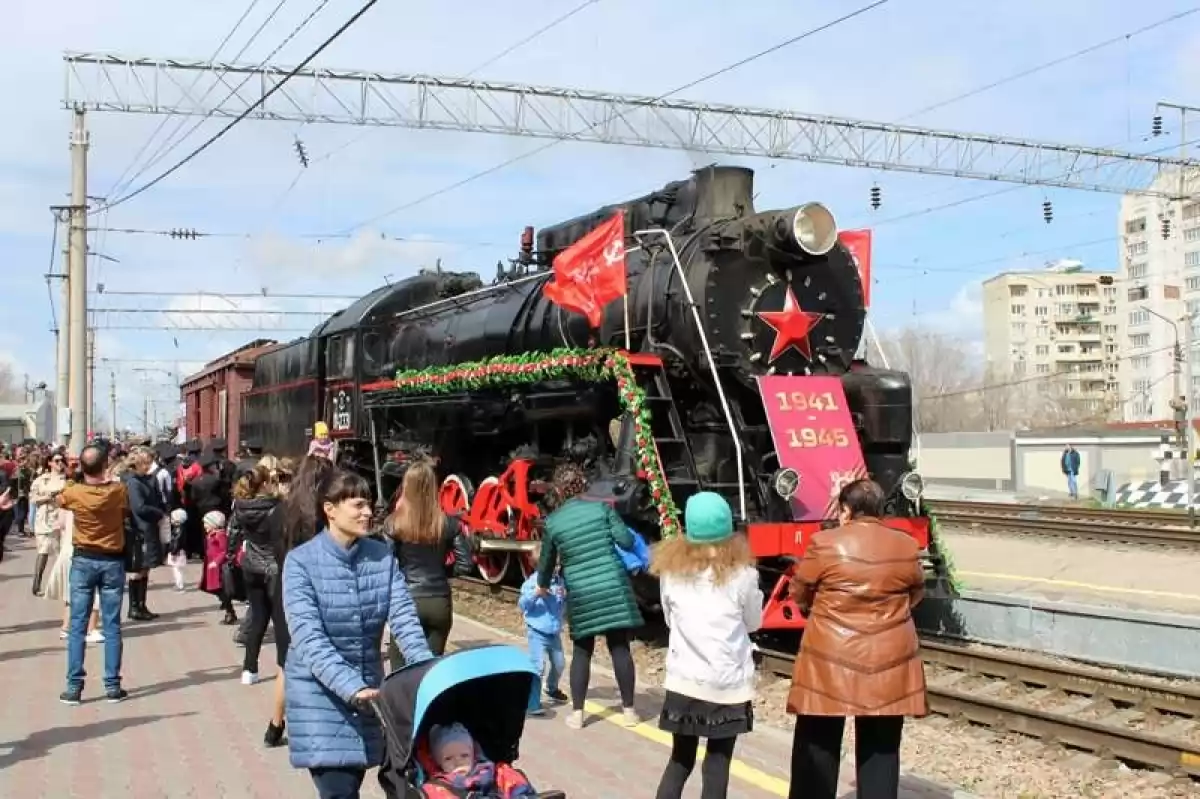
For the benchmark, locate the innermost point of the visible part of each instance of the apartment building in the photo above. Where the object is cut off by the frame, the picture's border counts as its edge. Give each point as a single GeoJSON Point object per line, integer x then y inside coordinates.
{"type": "Point", "coordinates": [1054, 332]}
{"type": "Point", "coordinates": [1158, 280]}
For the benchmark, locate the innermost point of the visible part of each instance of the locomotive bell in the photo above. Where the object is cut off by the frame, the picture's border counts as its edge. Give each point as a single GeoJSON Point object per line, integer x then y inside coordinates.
{"type": "Point", "coordinates": [811, 227]}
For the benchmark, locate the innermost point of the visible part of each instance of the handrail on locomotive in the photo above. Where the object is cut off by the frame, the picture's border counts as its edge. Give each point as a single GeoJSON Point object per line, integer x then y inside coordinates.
{"type": "Point", "coordinates": [708, 357]}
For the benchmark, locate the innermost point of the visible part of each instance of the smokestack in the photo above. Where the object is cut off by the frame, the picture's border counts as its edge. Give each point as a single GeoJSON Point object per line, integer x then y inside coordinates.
{"type": "Point", "coordinates": [724, 192]}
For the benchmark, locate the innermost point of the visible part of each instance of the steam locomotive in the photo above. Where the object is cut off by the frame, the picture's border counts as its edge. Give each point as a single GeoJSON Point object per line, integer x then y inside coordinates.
{"type": "Point", "coordinates": [500, 385]}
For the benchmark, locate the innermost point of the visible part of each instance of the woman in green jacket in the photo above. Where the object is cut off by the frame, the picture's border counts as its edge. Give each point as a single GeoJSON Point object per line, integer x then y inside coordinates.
{"type": "Point", "coordinates": [581, 533]}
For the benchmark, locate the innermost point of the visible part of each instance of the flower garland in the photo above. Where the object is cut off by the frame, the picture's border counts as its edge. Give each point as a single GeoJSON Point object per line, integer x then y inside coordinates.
{"type": "Point", "coordinates": [935, 535]}
{"type": "Point", "coordinates": [588, 365]}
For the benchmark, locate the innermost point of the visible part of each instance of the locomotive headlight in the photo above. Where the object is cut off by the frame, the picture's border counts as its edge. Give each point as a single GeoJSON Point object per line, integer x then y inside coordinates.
{"type": "Point", "coordinates": [786, 483]}
{"type": "Point", "coordinates": [814, 228]}
{"type": "Point", "coordinates": [912, 486]}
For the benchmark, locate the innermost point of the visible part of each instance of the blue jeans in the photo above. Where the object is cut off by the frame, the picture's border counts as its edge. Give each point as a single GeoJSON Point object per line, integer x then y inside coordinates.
{"type": "Point", "coordinates": [543, 647]}
{"type": "Point", "coordinates": [338, 783]}
{"type": "Point", "coordinates": [1073, 486]}
{"type": "Point", "coordinates": [90, 575]}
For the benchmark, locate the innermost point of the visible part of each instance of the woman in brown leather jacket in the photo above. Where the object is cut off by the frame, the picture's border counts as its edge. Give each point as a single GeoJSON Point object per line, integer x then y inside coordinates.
{"type": "Point", "coordinates": [857, 584]}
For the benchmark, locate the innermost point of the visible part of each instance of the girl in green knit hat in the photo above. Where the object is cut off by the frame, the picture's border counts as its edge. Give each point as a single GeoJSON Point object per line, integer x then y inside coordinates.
{"type": "Point", "coordinates": [712, 602]}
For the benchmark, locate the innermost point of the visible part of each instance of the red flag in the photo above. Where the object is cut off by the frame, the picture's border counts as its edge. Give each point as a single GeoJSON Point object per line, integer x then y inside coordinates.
{"type": "Point", "coordinates": [858, 242]}
{"type": "Point", "coordinates": [591, 272]}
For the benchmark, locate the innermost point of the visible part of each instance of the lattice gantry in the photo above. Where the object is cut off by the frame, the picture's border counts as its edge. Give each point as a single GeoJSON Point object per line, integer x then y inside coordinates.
{"type": "Point", "coordinates": [100, 82]}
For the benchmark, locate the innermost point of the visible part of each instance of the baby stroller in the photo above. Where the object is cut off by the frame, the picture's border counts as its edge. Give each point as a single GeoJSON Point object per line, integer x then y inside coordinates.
{"type": "Point", "coordinates": [485, 689]}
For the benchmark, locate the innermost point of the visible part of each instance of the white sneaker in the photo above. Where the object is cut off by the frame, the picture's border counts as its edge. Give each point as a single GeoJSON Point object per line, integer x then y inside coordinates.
{"type": "Point", "coordinates": [94, 637]}
{"type": "Point", "coordinates": [249, 678]}
{"type": "Point", "coordinates": [629, 717]}
{"type": "Point", "coordinates": [63, 635]}
{"type": "Point", "coordinates": [575, 719]}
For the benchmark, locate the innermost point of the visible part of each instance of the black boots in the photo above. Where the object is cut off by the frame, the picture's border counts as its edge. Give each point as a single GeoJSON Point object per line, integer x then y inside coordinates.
{"type": "Point", "coordinates": [39, 568]}
{"type": "Point", "coordinates": [137, 602]}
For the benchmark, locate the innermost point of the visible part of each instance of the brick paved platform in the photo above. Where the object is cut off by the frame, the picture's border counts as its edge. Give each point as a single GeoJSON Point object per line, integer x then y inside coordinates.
{"type": "Point", "coordinates": [190, 729]}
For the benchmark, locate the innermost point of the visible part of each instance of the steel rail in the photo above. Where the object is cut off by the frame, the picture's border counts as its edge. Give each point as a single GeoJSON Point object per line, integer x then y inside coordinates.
{"type": "Point", "coordinates": [1159, 527]}
{"type": "Point", "coordinates": [1098, 710]}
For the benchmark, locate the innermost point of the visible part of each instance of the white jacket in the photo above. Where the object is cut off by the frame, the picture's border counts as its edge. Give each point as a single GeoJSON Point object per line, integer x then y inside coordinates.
{"type": "Point", "coordinates": [710, 656]}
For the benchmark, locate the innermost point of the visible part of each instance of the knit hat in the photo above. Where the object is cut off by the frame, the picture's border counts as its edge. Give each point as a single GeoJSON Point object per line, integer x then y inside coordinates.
{"type": "Point", "coordinates": [214, 520]}
{"type": "Point", "coordinates": [442, 734]}
{"type": "Point", "coordinates": [707, 518]}
{"type": "Point", "coordinates": [178, 517]}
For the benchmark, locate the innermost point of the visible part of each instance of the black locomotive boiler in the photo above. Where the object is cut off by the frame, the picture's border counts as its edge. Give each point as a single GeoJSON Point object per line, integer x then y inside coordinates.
{"type": "Point", "coordinates": [719, 295]}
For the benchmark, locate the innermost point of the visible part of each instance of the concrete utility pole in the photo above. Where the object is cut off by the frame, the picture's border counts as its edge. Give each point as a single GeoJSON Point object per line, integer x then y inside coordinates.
{"type": "Point", "coordinates": [62, 390]}
{"type": "Point", "coordinates": [91, 374]}
{"type": "Point", "coordinates": [112, 403]}
{"type": "Point", "coordinates": [77, 275]}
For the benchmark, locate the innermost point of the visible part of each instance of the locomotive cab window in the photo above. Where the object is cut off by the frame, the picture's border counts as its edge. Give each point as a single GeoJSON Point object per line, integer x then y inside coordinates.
{"type": "Point", "coordinates": [339, 357]}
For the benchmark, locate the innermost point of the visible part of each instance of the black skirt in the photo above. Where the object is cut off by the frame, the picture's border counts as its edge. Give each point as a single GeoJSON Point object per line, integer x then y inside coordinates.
{"type": "Point", "coordinates": [684, 715]}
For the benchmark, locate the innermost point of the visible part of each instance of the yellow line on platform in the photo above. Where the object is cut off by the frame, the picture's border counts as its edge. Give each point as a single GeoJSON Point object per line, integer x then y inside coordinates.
{"type": "Point", "coordinates": [743, 771]}
{"type": "Point", "coordinates": [760, 779]}
{"type": "Point", "coordinates": [1109, 589]}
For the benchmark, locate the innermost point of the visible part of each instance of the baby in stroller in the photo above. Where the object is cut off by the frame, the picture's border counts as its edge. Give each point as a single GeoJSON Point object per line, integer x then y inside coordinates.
{"type": "Point", "coordinates": [457, 765]}
{"type": "Point", "coordinates": [452, 726]}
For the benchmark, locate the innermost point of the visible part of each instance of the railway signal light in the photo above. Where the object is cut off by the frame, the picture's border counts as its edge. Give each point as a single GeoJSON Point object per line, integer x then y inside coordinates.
{"type": "Point", "coordinates": [876, 197]}
{"type": "Point", "coordinates": [1047, 212]}
{"type": "Point", "coordinates": [1156, 126]}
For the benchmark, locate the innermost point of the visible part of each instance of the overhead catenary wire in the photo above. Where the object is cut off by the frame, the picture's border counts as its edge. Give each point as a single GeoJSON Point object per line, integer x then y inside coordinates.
{"type": "Point", "coordinates": [1054, 62]}
{"type": "Point", "coordinates": [608, 120]}
{"type": "Point", "coordinates": [118, 186]}
{"type": "Point", "coordinates": [1034, 378]}
{"type": "Point", "coordinates": [172, 143]}
{"type": "Point", "coordinates": [251, 108]}
{"type": "Point", "coordinates": [488, 62]}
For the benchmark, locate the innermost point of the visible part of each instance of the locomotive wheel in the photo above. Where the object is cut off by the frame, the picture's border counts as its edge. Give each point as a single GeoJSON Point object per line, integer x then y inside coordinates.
{"type": "Point", "coordinates": [455, 494]}
{"type": "Point", "coordinates": [493, 568]}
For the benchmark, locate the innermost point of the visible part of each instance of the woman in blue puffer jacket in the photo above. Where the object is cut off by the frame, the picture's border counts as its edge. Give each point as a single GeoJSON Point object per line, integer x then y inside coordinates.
{"type": "Point", "coordinates": [339, 590]}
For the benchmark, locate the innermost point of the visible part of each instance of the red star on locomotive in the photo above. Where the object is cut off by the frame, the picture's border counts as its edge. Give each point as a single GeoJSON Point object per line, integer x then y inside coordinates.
{"type": "Point", "coordinates": [500, 384]}
{"type": "Point", "coordinates": [792, 326]}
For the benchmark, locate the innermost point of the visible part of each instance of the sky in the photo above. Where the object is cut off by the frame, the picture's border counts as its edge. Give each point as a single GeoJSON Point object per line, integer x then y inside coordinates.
{"type": "Point", "coordinates": [931, 250]}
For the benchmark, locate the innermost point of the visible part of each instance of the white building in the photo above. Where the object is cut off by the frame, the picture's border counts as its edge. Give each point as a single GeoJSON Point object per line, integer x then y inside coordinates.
{"type": "Point", "coordinates": [1159, 278]}
{"type": "Point", "coordinates": [1053, 334]}
{"type": "Point", "coordinates": [34, 420]}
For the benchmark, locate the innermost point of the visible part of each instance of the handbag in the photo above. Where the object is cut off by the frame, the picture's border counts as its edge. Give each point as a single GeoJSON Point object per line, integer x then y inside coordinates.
{"type": "Point", "coordinates": [233, 582]}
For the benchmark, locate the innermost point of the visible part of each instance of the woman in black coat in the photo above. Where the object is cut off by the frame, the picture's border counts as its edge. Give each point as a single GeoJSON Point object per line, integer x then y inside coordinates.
{"type": "Point", "coordinates": [143, 547]}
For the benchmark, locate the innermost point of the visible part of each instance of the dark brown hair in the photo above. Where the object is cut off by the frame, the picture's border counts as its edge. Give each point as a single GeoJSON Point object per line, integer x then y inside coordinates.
{"type": "Point", "coordinates": [302, 515]}
{"type": "Point", "coordinates": [862, 498]}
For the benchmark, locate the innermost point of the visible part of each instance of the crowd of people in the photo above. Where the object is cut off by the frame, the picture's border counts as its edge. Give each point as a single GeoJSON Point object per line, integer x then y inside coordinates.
{"type": "Point", "coordinates": [301, 543]}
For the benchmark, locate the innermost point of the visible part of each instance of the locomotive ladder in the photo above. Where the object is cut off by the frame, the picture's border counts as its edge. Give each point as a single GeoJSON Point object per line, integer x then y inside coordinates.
{"type": "Point", "coordinates": [667, 432]}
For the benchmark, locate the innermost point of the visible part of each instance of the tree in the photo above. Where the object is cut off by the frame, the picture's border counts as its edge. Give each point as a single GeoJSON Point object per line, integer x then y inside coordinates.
{"type": "Point", "coordinates": [10, 391]}
{"type": "Point", "coordinates": [945, 377]}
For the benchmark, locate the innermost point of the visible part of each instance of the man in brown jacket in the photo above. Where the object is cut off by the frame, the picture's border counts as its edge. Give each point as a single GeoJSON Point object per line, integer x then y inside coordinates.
{"type": "Point", "coordinates": [99, 508]}
{"type": "Point", "coordinates": [860, 655]}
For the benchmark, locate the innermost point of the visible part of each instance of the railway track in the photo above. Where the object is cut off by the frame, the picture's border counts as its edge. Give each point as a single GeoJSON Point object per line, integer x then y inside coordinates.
{"type": "Point", "coordinates": [1158, 527]}
{"type": "Point", "coordinates": [1111, 714]}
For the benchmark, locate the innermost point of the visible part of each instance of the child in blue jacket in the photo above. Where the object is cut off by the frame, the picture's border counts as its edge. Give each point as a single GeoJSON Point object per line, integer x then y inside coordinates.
{"type": "Point", "coordinates": [543, 630]}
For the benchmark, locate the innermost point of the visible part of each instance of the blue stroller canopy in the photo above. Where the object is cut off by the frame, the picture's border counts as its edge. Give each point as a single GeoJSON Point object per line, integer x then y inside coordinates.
{"type": "Point", "coordinates": [486, 689]}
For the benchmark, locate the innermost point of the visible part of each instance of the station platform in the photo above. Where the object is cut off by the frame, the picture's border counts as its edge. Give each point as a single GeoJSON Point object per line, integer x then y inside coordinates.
{"type": "Point", "coordinates": [190, 729]}
{"type": "Point", "coordinates": [1099, 573]}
